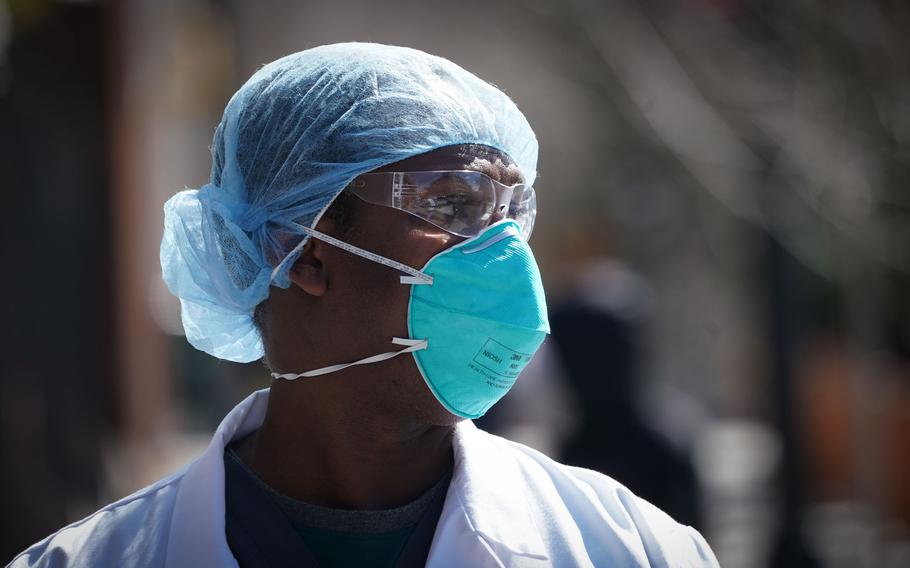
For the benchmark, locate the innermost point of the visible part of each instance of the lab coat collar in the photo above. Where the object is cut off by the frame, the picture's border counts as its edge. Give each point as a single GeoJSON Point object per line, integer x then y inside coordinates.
{"type": "Point", "coordinates": [491, 485]}
{"type": "Point", "coordinates": [201, 493]}
{"type": "Point", "coordinates": [487, 482]}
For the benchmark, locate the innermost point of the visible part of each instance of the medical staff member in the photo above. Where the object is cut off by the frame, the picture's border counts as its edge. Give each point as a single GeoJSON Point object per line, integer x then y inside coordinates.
{"type": "Point", "coordinates": [365, 232]}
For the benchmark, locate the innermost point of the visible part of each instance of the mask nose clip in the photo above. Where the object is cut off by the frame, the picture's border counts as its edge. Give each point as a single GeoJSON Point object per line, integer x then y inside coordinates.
{"type": "Point", "coordinates": [507, 233]}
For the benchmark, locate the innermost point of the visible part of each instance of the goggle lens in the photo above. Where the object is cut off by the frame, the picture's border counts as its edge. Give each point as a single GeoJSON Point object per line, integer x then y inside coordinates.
{"type": "Point", "coordinates": [460, 202]}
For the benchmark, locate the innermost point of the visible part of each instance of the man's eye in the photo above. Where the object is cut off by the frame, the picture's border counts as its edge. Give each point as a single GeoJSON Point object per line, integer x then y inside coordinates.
{"type": "Point", "coordinates": [440, 201]}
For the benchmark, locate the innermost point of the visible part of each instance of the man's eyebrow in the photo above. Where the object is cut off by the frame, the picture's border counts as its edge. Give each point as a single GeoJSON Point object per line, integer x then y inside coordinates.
{"type": "Point", "coordinates": [499, 171]}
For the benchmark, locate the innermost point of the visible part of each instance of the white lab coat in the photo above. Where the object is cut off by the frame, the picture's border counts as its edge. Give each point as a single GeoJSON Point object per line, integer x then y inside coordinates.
{"type": "Point", "coordinates": [507, 505]}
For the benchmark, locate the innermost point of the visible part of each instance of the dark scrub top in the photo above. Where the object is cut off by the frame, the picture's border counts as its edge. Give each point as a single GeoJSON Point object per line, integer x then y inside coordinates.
{"type": "Point", "coordinates": [267, 528]}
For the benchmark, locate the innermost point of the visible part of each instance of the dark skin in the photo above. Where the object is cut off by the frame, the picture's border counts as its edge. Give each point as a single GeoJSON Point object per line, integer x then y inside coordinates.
{"type": "Point", "coordinates": [373, 436]}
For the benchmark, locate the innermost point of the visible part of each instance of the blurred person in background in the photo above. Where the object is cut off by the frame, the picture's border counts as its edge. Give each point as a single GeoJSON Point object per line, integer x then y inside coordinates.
{"type": "Point", "coordinates": [363, 195]}
{"type": "Point", "coordinates": [596, 337]}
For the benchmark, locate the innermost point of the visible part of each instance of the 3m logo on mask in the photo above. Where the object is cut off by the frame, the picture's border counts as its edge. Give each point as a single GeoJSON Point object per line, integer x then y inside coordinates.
{"type": "Point", "coordinates": [499, 364]}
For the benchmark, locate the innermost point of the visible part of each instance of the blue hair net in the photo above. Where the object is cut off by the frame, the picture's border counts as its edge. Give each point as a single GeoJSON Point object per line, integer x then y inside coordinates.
{"type": "Point", "coordinates": [289, 141]}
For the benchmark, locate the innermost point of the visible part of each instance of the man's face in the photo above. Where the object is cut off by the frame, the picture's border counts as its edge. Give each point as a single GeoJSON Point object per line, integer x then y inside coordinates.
{"type": "Point", "coordinates": [365, 305]}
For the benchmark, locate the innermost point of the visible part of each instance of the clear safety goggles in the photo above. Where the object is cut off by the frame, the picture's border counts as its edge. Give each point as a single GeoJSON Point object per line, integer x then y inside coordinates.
{"type": "Point", "coordinates": [462, 202]}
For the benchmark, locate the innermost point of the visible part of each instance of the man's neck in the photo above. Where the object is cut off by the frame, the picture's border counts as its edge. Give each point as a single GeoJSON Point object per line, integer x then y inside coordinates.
{"type": "Point", "coordinates": [349, 456]}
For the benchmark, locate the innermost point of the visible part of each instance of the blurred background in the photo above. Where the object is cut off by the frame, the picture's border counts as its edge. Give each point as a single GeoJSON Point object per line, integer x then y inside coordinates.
{"type": "Point", "coordinates": [723, 230]}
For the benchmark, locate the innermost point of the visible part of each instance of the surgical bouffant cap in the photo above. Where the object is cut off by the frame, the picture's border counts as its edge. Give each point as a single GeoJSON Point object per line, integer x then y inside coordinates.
{"type": "Point", "coordinates": [290, 140]}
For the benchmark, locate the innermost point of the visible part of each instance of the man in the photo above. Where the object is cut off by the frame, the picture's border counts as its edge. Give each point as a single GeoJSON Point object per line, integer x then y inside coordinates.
{"type": "Point", "coordinates": [365, 231]}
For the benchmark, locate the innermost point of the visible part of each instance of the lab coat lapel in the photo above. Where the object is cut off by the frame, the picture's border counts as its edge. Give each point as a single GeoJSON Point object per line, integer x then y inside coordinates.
{"type": "Point", "coordinates": [196, 536]}
{"type": "Point", "coordinates": [486, 513]}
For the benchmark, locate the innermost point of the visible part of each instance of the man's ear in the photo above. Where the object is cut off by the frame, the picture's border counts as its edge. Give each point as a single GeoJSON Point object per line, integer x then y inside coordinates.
{"type": "Point", "coordinates": [308, 272]}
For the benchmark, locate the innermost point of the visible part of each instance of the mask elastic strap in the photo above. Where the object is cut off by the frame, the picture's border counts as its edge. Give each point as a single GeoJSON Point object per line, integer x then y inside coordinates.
{"type": "Point", "coordinates": [415, 276]}
{"type": "Point", "coordinates": [411, 345]}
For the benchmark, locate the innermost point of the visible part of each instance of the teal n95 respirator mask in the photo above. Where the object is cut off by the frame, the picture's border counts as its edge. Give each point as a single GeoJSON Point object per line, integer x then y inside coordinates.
{"type": "Point", "coordinates": [476, 316]}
